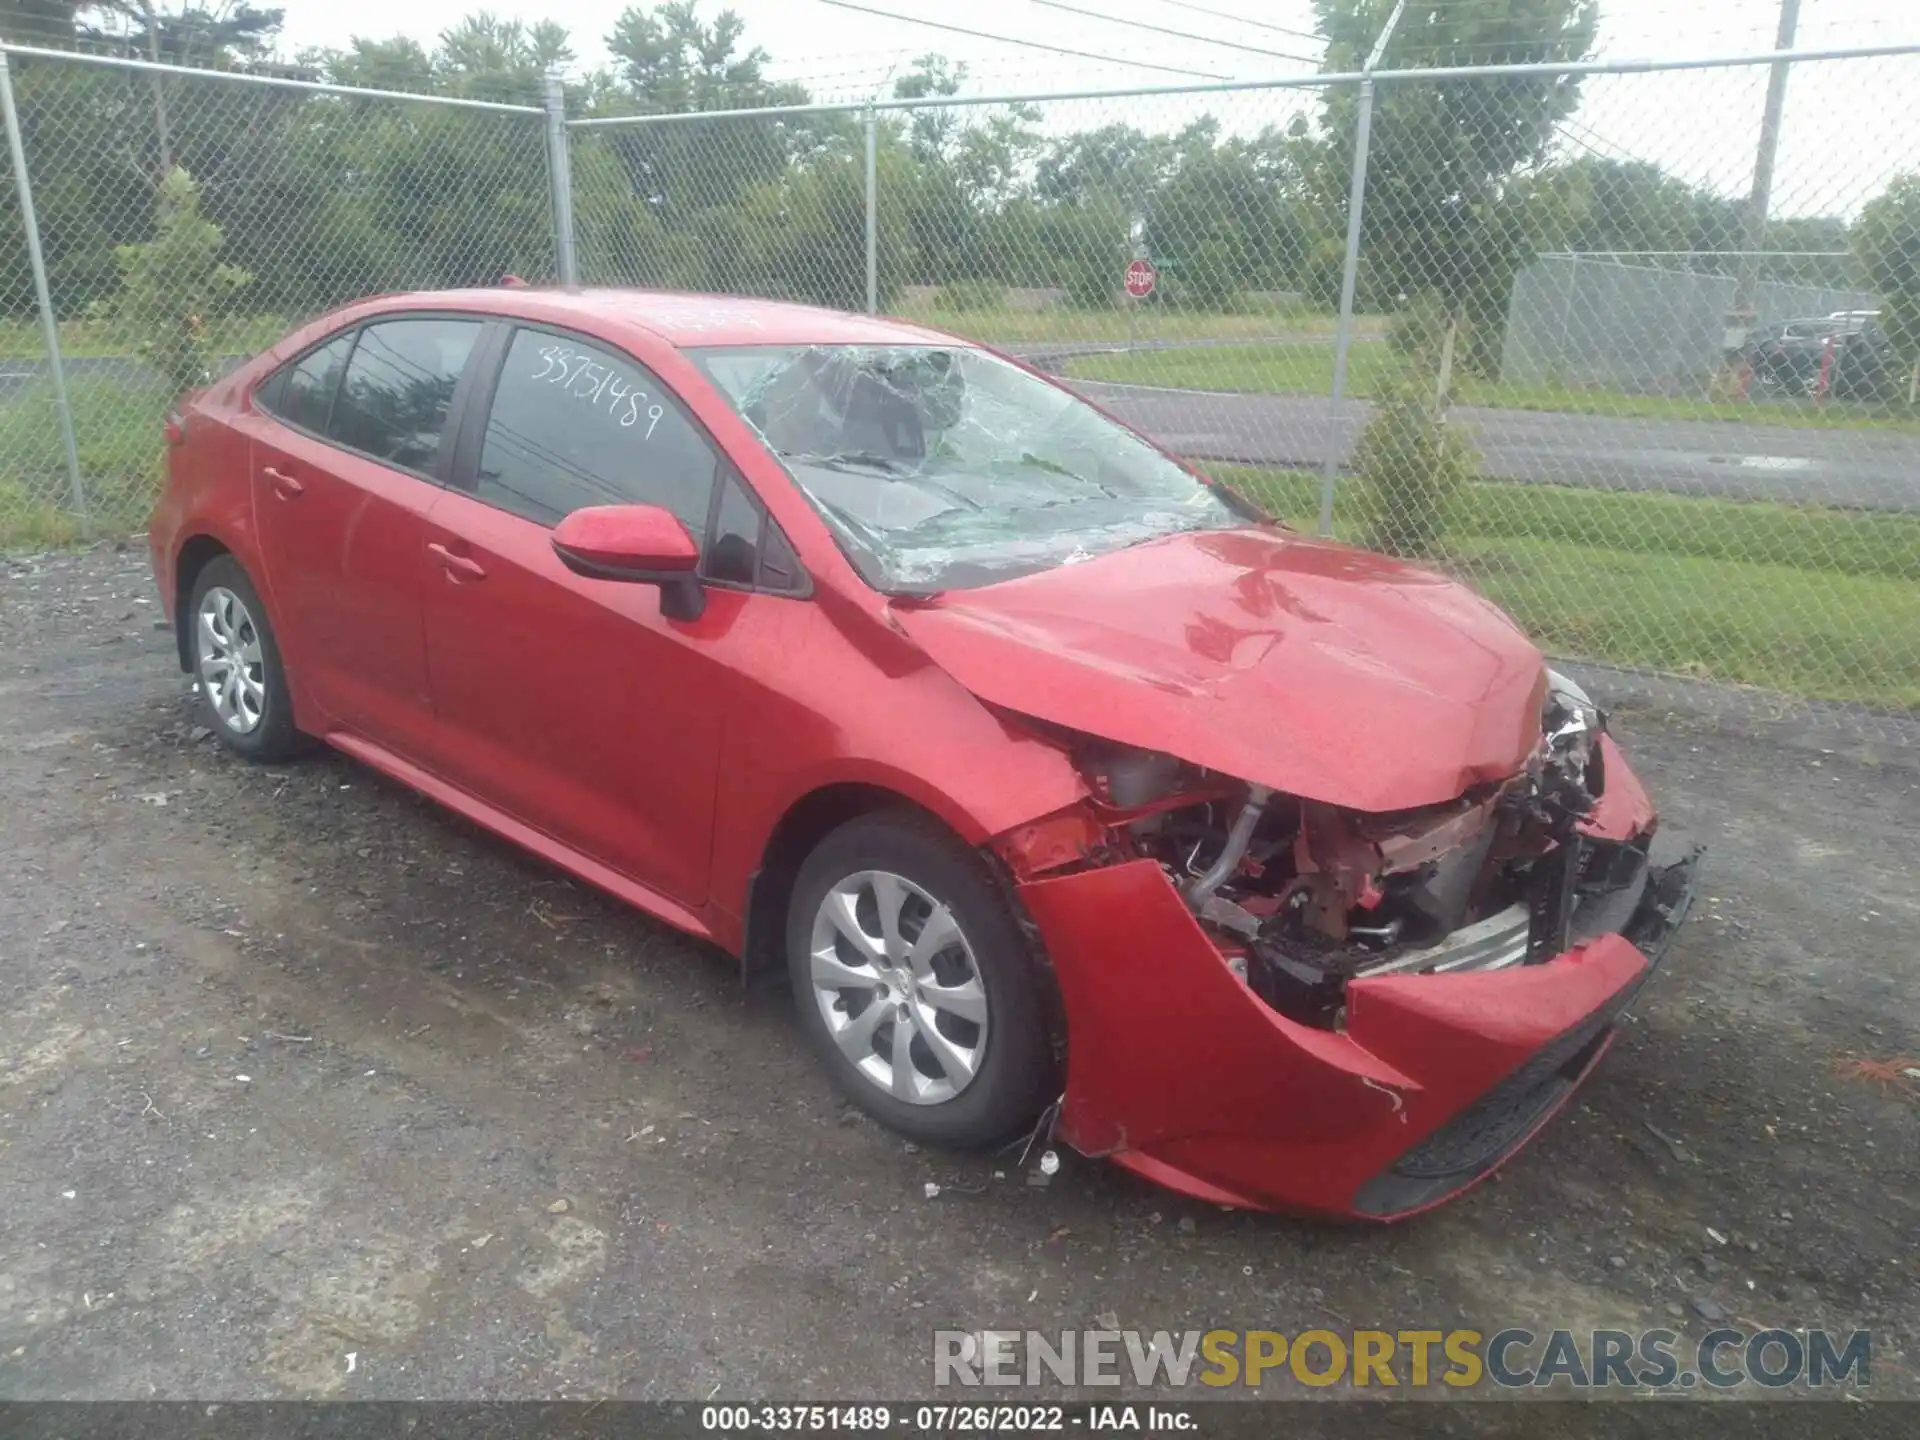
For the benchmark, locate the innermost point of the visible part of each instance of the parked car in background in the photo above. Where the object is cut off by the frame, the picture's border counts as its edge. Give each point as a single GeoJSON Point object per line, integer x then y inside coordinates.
{"type": "Point", "coordinates": [1785, 357]}
{"type": "Point", "coordinates": [1071, 793]}
{"type": "Point", "coordinates": [1842, 356]}
{"type": "Point", "coordinates": [1863, 365]}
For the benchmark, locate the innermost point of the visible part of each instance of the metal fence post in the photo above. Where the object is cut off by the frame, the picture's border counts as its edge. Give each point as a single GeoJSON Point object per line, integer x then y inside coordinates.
{"type": "Point", "coordinates": [1349, 282]}
{"type": "Point", "coordinates": [49, 327]}
{"type": "Point", "coordinates": [560, 180]}
{"type": "Point", "coordinates": [1567, 300]}
{"type": "Point", "coordinates": [873, 211]}
{"type": "Point", "coordinates": [1350, 270]}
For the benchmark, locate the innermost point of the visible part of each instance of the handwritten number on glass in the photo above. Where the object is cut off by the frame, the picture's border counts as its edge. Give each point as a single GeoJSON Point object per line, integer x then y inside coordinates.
{"type": "Point", "coordinates": [584, 378]}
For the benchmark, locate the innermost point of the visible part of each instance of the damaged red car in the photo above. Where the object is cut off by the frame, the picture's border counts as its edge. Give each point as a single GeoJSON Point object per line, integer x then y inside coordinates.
{"type": "Point", "coordinates": [1072, 794]}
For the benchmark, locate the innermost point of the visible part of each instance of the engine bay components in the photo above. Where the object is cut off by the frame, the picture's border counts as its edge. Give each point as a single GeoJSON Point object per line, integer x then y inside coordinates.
{"type": "Point", "coordinates": [1302, 897]}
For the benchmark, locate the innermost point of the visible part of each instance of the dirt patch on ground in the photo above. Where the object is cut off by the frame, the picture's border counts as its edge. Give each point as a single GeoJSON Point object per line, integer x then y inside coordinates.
{"type": "Point", "coordinates": [297, 1071]}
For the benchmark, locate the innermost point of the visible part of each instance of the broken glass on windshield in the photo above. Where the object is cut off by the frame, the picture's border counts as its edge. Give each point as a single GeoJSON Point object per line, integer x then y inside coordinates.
{"type": "Point", "coordinates": [942, 468]}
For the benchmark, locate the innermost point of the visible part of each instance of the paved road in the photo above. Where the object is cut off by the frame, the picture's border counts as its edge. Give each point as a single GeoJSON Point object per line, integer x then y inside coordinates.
{"type": "Point", "coordinates": [1861, 469]}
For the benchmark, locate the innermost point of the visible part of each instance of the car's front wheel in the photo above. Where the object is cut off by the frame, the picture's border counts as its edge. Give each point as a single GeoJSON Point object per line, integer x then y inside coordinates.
{"type": "Point", "coordinates": [916, 984]}
{"type": "Point", "coordinates": [236, 660]}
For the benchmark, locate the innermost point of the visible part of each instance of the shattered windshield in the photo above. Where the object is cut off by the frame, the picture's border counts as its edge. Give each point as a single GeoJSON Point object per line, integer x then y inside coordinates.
{"type": "Point", "coordinates": [949, 468]}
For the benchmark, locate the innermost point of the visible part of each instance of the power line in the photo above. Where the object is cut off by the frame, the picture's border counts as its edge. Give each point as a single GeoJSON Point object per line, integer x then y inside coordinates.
{"type": "Point", "coordinates": [1243, 20]}
{"type": "Point", "coordinates": [1177, 34]}
{"type": "Point", "coordinates": [1029, 44]}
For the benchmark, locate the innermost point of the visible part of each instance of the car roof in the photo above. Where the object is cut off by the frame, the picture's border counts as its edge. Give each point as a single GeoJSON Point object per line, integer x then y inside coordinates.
{"type": "Point", "coordinates": [686, 319]}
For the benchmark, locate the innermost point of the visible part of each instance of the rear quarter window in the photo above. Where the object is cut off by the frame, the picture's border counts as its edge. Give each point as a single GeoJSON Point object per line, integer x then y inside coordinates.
{"type": "Point", "coordinates": [302, 393]}
{"type": "Point", "coordinates": [399, 387]}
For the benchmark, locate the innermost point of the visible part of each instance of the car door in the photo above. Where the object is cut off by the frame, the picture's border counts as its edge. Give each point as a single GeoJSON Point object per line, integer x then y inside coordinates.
{"type": "Point", "coordinates": [347, 457]}
{"type": "Point", "coordinates": [572, 703]}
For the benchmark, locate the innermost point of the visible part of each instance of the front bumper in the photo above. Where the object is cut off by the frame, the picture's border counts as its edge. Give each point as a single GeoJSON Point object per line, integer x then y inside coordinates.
{"type": "Point", "coordinates": [1177, 1071]}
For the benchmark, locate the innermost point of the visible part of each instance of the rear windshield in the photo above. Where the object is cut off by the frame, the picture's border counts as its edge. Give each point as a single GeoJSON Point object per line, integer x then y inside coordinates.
{"type": "Point", "coordinates": [946, 468]}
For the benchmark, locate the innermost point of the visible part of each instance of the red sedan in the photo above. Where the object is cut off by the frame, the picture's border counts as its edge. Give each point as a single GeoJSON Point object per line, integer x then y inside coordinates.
{"type": "Point", "coordinates": [1070, 792]}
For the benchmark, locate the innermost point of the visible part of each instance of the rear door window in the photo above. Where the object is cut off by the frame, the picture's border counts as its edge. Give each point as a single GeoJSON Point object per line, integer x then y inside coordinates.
{"type": "Point", "coordinates": [302, 393]}
{"type": "Point", "coordinates": [576, 424]}
{"type": "Point", "coordinates": [399, 387]}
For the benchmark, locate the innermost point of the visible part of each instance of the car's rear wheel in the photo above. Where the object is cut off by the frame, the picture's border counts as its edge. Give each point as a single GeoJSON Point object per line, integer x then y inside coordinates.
{"type": "Point", "coordinates": [916, 984]}
{"type": "Point", "coordinates": [236, 662]}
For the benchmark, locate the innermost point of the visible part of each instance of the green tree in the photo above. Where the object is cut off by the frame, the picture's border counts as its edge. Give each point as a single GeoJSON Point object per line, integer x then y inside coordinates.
{"type": "Point", "coordinates": [964, 169]}
{"type": "Point", "coordinates": [194, 35]}
{"type": "Point", "coordinates": [1411, 465]}
{"type": "Point", "coordinates": [1886, 238]}
{"type": "Point", "coordinates": [1114, 162]}
{"type": "Point", "coordinates": [191, 34]}
{"type": "Point", "coordinates": [486, 58]}
{"type": "Point", "coordinates": [1596, 203]}
{"type": "Point", "coordinates": [668, 61]}
{"type": "Point", "coordinates": [396, 64]}
{"type": "Point", "coordinates": [804, 237]}
{"type": "Point", "coordinates": [1232, 216]}
{"type": "Point", "coordinates": [102, 141]}
{"type": "Point", "coordinates": [1092, 191]}
{"type": "Point", "coordinates": [368, 195]}
{"type": "Point", "coordinates": [930, 131]}
{"type": "Point", "coordinates": [175, 284]}
{"type": "Point", "coordinates": [1440, 215]}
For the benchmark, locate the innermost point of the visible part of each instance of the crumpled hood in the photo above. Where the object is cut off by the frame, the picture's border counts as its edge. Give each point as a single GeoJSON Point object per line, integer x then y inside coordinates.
{"type": "Point", "coordinates": [1324, 671]}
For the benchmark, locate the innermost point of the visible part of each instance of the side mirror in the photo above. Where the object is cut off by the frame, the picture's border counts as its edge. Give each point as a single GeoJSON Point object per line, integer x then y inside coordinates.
{"type": "Point", "coordinates": [640, 544]}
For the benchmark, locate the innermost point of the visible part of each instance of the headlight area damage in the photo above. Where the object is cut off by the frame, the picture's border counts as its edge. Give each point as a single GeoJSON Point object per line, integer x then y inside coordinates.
{"type": "Point", "coordinates": [1276, 1003]}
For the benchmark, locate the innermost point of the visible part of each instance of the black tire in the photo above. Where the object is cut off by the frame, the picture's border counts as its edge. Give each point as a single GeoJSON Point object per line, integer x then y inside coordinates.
{"type": "Point", "coordinates": [273, 738]}
{"type": "Point", "coordinates": [1014, 1078]}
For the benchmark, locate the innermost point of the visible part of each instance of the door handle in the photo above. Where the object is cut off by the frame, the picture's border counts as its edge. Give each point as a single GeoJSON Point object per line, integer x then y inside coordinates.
{"type": "Point", "coordinates": [284, 485]}
{"type": "Point", "coordinates": [461, 567]}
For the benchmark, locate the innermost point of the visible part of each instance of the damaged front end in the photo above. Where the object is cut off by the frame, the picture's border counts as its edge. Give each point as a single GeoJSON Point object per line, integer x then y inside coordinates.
{"type": "Point", "coordinates": [1279, 1003]}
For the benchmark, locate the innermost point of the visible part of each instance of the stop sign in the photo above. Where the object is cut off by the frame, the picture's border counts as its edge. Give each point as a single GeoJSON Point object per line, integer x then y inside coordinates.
{"type": "Point", "coordinates": [1140, 279]}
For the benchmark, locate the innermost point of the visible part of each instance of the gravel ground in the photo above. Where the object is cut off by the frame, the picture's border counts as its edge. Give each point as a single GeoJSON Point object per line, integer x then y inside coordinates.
{"type": "Point", "coordinates": [309, 1088]}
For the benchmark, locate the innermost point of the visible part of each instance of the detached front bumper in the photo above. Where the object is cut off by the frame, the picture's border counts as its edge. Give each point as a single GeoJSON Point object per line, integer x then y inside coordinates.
{"type": "Point", "coordinates": [1179, 1072]}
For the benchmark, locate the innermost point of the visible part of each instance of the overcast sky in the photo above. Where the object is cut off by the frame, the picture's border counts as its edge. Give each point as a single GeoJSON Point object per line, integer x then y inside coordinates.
{"type": "Point", "coordinates": [1848, 125]}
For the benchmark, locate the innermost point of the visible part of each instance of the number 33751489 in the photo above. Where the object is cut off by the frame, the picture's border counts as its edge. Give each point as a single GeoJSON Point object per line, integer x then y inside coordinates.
{"type": "Point", "coordinates": [583, 378]}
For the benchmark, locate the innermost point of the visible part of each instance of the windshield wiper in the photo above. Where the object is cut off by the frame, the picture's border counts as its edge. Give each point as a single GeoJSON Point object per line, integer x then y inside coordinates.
{"type": "Point", "coordinates": [1054, 467]}
{"type": "Point", "coordinates": [847, 460]}
{"type": "Point", "coordinates": [854, 462]}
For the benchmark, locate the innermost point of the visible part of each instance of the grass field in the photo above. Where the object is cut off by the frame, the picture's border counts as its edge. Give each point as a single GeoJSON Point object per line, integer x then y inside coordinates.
{"type": "Point", "coordinates": [118, 436]}
{"type": "Point", "coordinates": [1308, 370]}
{"type": "Point", "coordinates": [999, 326]}
{"type": "Point", "coordinates": [85, 339]}
{"type": "Point", "coordinates": [1801, 599]}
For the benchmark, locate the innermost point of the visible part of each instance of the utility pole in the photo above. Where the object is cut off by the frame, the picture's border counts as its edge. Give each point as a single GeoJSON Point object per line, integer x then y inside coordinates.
{"type": "Point", "coordinates": [1746, 286]}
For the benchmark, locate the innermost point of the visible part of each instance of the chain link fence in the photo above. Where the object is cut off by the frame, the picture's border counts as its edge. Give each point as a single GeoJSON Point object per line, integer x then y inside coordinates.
{"type": "Point", "coordinates": [1552, 350]}
{"type": "Point", "coordinates": [188, 219]}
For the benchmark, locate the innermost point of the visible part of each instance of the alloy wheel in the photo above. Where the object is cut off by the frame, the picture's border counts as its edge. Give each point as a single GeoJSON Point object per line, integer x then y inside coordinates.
{"type": "Point", "coordinates": [898, 985]}
{"type": "Point", "coordinates": [232, 662]}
